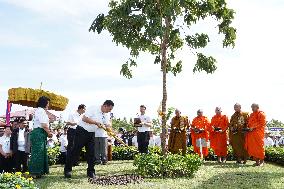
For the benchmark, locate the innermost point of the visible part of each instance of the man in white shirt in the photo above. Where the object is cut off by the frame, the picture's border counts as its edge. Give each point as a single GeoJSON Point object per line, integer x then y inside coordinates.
{"type": "Point", "coordinates": [20, 145]}
{"type": "Point", "coordinates": [85, 136]}
{"type": "Point", "coordinates": [152, 139]}
{"type": "Point", "coordinates": [134, 140]}
{"type": "Point", "coordinates": [101, 138]}
{"type": "Point", "coordinates": [6, 161]}
{"type": "Point", "coordinates": [72, 123]}
{"type": "Point", "coordinates": [63, 146]}
{"type": "Point", "coordinates": [267, 140]}
{"type": "Point", "coordinates": [158, 140]}
{"type": "Point", "coordinates": [144, 127]}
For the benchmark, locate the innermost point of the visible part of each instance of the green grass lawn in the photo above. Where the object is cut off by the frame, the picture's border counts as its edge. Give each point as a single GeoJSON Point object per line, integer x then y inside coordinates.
{"type": "Point", "coordinates": [210, 175]}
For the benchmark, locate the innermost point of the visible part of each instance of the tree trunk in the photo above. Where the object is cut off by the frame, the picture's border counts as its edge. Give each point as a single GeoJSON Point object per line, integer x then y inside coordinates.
{"type": "Point", "coordinates": [164, 47]}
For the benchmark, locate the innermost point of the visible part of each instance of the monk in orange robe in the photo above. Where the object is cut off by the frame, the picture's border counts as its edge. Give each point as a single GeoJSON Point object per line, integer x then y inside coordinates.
{"type": "Point", "coordinates": [218, 134]}
{"type": "Point", "coordinates": [199, 130]}
{"type": "Point", "coordinates": [255, 135]}
{"type": "Point", "coordinates": [238, 123]}
{"type": "Point", "coordinates": [177, 138]}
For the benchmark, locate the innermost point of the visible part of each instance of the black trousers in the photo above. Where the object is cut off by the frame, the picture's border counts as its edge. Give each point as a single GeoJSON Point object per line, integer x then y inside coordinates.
{"type": "Point", "coordinates": [62, 158]}
{"type": "Point", "coordinates": [86, 139]}
{"type": "Point", "coordinates": [21, 161]}
{"type": "Point", "coordinates": [143, 141]}
{"type": "Point", "coordinates": [6, 164]}
{"type": "Point", "coordinates": [70, 137]}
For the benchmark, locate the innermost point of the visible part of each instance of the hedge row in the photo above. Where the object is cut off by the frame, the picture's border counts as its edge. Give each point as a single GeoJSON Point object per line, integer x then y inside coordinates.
{"type": "Point", "coordinates": [273, 154]}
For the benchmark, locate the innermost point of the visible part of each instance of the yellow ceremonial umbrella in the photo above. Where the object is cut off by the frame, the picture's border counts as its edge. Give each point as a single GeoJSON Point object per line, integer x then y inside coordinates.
{"type": "Point", "coordinates": [29, 97]}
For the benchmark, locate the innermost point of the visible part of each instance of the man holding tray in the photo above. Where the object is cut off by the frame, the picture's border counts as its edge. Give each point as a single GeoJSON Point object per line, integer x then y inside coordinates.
{"type": "Point", "coordinates": [200, 127]}
{"type": "Point", "coordinates": [255, 135]}
{"type": "Point", "coordinates": [143, 124]}
{"type": "Point", "coordinates": [238, 124]}
{"type": "Point", "coordinates": [218, 134]}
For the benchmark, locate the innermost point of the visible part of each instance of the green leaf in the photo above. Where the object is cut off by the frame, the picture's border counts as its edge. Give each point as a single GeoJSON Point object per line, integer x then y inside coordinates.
{"type": "Point", "coordinates": [204, 63]}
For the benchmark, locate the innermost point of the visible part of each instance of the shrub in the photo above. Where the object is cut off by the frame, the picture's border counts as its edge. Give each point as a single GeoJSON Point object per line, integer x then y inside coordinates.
{"type": "Point", "coordinates": [272, 154]}
{"type": "Point", "coordinates": [275, 155]}
{"type": "Point", "coordinates": [124, 153]}
{"type": "Point", "coordinates": [53, 154]}
{"type": "Point", "coordinates": [172, 165]}
{"type": "Point", "coordinates": [17, 180]}
{"type": "Point", "coordinates": [155, 150]}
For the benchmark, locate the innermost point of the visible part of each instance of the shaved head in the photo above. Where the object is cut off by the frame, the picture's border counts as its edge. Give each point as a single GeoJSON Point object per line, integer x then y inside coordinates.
{"type": "Point", "coordinates": [237, 107]}
{"type": "Point", "coordinates": [218, 110]}
{"type": "Point", "coordinates": [177, 112]}
{"type": "Point", "coordinates": [255, 107]}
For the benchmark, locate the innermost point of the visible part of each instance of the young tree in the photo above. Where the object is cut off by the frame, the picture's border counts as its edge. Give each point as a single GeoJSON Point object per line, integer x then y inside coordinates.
{"type": "Point", "coordinates": [161, 27]}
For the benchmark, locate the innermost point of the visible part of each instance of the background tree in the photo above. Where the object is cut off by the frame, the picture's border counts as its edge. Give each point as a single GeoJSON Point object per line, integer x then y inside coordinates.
{"type": "Point", "coordinates": [161, 27]}
{"type": "Point", "coordinates": [122, 123]}
{"type": "Point", "coordinates": [275, 123]}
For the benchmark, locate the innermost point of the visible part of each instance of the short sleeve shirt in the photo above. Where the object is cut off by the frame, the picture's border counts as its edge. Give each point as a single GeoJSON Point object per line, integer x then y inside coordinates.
{"type": "Point", "coordinates": [97, 115]}
{"type": "Point", "coordinates": [40, 117]}
{"type": "Point", "coordinates": [5, 143]}
{"type": "Point", "coordinates": [74, 118]}
{"type": "Point", "coordinates": [145, 119]}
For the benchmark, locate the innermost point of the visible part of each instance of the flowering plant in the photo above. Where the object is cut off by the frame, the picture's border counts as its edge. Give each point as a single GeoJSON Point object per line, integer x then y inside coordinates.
{"type": "Point", "coordinates": [17, 180]}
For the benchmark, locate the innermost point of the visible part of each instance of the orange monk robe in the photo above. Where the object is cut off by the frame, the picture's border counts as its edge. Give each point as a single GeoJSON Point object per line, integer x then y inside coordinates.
{"type": "Point", "coordinates": [177, 138]}
{"type": "Point", "coordinates": [200, 122]}
{"type": "Point", "coordinates": [255, 139]}
{"type": "Point", "coordinates": [218, 140]}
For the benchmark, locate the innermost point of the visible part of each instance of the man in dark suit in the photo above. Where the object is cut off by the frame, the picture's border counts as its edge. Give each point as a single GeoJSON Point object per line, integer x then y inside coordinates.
{"type": "Point", "coordinates": [20, 145]}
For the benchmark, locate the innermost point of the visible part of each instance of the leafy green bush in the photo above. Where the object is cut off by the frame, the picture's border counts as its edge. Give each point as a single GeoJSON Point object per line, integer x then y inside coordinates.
{"type": "Point", "coordinates": [172, 165]}
{"type": "Point", "coordinates": [275, 155]}
{"type": "Point", "coordinates": [155, 150]}
{"type": "Point", "coordinates": [53, 154]}
{"type": "Point", "coordinates": [124, 153]}
{"type": "Point", "coordinates": [17, 180]}
{"type": "Point", "coordinates": [272, 154]}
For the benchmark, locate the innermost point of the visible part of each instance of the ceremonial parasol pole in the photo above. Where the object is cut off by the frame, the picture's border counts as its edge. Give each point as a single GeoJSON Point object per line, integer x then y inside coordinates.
{"type": "Point", "coordinates": [8, 111]}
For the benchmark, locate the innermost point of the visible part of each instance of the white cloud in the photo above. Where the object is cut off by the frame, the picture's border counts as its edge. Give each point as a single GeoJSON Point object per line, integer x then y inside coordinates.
{"type": "Point", "coordinates": [60, 8]}
{"type": "Point", "coordinates": [8, 39]}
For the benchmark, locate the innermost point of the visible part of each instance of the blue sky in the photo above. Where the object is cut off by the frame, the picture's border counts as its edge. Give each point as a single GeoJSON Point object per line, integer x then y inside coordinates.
{"type": "Point", "coordinates": [48, 41]}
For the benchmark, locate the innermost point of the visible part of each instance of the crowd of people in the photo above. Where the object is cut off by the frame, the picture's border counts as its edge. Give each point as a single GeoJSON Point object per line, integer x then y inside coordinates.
{"type": "Point", "coordinates": [25, 149]}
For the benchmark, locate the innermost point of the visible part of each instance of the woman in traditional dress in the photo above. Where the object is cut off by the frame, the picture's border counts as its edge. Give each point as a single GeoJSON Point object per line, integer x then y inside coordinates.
{"type": "Point", "coordinates": [38, 164]}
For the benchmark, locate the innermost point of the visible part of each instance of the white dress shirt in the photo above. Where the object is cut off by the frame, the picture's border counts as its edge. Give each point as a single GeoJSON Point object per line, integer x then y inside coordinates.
{"type": "Point", "coordinates": [158, 141]}
{"type": "Point", "coordinates": [268, 142]}
{"type": "Point", "coordinates": [96, 114]}
{"type": "Point", "coordinates": [134, 141]}
{"type": "Point", "coordinates": [5, 143]}
{"type": "Point", "coordinates": [63, 143]}
{"type": "Point", "coordinates": [144, 119]}
{"type": "Point", "coordinates": [74, 118]}
{"type": "Point", "coordinates": [21, 140]}
{"type": "Point", "coordinates": [152, 141]}
{"type": "Point", "coordinates": [40, 117]}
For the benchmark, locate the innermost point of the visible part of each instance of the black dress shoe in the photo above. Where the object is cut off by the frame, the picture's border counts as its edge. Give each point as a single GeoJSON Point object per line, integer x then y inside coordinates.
{"type": "Point", "coordinates": [67, 174]}
{"type": "Point", "coordinates": [91, 175]}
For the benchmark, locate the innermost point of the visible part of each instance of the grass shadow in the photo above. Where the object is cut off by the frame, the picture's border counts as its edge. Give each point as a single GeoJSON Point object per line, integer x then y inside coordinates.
{"type": "Point", "coordinates": [249, 180]}
{"type": "Point", "coordinates": [225, 165]}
